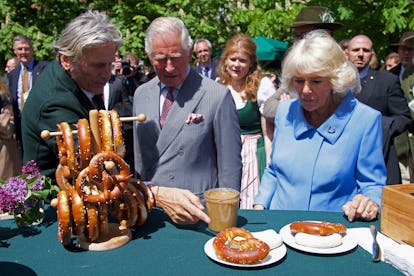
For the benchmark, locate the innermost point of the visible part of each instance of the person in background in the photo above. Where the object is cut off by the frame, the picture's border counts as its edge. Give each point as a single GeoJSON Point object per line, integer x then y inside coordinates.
{"type": "Point", "coordinates": [374, 64]}
{"type": "Point", "coordinates": [190, 141]}
{"type": "Point", "coordinates": [205, 66]}
{"type": "Point", "coordinates": [11, 64]}
{"type": "Point", "coordinates": [117, 65]}
{"type": "Point", "coordinates": [343, 44]}
{"type": "Point", "coordinates": [239, 70]}
{"type": "Point", "coordinates": [308, 19]}
{"type": "Point", "coordinates": [22, 79]}
{"type": "Point", "coordinates": [381, 91]}
{"type": "Point", "coordinates": [327, 153]}
{"type": "Point", "coordinates": [10, 161]}
{"type": "Point", "coordinates": [405, 51]}
{"type": "Point", "coordinates": [404, 143]}
{"type": "Point", "coordinates": [70, 86]}
{"type": "Point", "coordinates": [132, 70]}
{"type": "Point", "coordinates": [392, 60]}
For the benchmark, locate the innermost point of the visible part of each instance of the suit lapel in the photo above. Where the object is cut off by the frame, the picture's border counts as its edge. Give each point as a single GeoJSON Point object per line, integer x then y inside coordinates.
{"type": "Point", "coordinates": [368, 87]}
{"type": "Point", "coordinates": [186, 102]}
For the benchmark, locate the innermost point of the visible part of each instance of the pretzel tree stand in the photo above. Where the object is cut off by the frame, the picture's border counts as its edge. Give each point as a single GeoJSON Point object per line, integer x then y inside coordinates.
{"type": "Point", "coordinates": [95, 181]}
{"type": "Point", "coordinates": [116, 237]}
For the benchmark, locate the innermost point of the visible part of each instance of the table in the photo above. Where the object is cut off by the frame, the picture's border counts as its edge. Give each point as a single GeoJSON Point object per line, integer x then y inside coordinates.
{"type": "Point", "coordinates": [162, 248]}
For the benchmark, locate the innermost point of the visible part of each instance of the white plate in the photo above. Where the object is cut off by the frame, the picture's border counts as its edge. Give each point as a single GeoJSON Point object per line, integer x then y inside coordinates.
{"type": "Point", "coordinates": [348, 243]}
{"type": "Point", "coordinates": [274, 255]}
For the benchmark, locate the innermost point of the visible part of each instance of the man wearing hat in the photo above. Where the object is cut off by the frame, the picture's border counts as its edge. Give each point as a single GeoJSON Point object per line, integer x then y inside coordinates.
{"type": "Point", "coordinates": [308, 19]}
{"type": "Point", "coordinates": [312, 18]}
{"type": "Point", "coordinates": [404, 143]}
{"type": "Point", "coordinates": [405, 50]}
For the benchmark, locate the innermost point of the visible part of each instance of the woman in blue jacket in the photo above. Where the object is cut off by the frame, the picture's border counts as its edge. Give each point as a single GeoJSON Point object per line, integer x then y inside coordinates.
{"type": "Point", "coordinates": [327, 148]}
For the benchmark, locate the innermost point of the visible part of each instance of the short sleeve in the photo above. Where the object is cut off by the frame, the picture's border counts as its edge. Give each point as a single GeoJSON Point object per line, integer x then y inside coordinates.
{"type": "Point", "coordinates": [266, 89]}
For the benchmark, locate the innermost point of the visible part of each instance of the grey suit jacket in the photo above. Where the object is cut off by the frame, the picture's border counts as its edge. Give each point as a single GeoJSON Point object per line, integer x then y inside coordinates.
{"type": "Point", "coordinates": [196, 156]}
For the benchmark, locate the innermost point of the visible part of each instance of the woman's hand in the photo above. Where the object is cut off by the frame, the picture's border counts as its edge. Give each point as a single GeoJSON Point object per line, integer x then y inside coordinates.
{"type": "Point", "coordinates": [361, 207]}
{"type": "Point", "coordinates": [284, 97]}
{"type": "Point", "coordinates": [258, 207]}
{"type": "Point", "coordinates": [182, 206]}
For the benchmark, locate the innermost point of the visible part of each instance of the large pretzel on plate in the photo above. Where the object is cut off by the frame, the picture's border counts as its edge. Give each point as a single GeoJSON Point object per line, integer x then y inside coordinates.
{"type": "Point", "coordinates": [246, 251]}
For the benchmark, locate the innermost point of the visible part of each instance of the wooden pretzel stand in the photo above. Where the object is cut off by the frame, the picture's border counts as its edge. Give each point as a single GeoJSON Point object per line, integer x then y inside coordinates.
{"type": "Point", "coordinates": [94, 180]}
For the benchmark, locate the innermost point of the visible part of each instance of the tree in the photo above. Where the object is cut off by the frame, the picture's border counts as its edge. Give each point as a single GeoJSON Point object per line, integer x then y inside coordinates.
{"type": "Point", "coordinates": [42, 20]}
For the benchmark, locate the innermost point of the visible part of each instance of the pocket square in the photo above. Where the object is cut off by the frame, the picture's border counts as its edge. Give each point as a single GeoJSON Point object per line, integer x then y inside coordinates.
{"type": "Point", "coordinates": [194, 118]}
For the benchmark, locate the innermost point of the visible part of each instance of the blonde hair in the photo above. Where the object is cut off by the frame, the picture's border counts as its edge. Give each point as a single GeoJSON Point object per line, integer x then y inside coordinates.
{"type": "Point", "coordinates": [244, 44]}
{"type": "Point", "coordinates": [4, 91]}
{"type": "Point", "coordinates": [318, 53]}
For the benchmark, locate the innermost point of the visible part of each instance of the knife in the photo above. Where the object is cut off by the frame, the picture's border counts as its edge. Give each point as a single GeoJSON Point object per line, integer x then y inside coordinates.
{"type": "Point", "coordinates": [376, 250]}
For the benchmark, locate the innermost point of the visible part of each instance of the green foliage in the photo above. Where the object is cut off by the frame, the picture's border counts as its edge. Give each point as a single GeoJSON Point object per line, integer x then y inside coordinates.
{"type": "Point", "coordinates": [42, 20]}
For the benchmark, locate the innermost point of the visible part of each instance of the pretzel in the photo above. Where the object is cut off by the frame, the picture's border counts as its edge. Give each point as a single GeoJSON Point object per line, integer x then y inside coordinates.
{"type": "Point", "coordinates": [247, 251]}
{"type": "Point", "coordinates": [118, 140]}
{"type": "Point", "coordinates": [319, 228]}
{"type": "Point", "coordinates": [84, 141]}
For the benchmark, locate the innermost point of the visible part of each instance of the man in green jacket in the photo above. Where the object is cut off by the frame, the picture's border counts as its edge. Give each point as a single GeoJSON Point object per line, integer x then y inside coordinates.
{"type": "Point", "coordinates": [65, 90]}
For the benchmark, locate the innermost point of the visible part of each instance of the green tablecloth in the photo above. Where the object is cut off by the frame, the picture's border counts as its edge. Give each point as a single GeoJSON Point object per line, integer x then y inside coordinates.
{"type": "Point", "coordinates": [162, 248]}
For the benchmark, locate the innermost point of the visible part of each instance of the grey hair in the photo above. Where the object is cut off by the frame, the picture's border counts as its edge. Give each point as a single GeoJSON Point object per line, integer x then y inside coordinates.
{"type": "Point", "coordinates": [23, 38]}
{"type": "Point", "coordinates": [202, 40]}
{"type": "Point", "coordinates": [89, 29]}
{"type": "Point", "coordinates": [163, 27]}
{"type": "Point", "coordinates": [318, 53]}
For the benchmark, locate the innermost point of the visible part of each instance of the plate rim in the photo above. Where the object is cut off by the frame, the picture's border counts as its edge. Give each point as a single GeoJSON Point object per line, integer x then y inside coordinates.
{"type": "Point", "coordinates": [282, 248]}
{"type": "Point", "coordinates": [287, 238]}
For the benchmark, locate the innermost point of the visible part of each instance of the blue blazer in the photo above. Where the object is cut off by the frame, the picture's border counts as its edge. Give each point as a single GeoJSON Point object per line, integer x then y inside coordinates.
{"type": "Point", "coordinates": [320, 169]}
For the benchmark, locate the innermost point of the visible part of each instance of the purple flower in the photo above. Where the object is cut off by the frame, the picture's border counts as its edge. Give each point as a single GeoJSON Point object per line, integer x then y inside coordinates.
{"type": "Point", "coordinates": [31, 168]}
{"type": "Point", "coordinates": [12, 194]}
{"type": "Point", "coordinates": [39, 184]}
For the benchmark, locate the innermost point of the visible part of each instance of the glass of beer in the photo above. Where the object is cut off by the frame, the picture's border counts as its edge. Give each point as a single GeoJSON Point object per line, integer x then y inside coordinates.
{"type": "Point", "coordinates": [222, 206]}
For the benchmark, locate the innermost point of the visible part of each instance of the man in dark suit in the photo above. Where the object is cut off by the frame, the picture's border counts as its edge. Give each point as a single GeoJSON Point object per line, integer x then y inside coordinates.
{"type": "Point", "coordinates": [66, 88]}
{"type": "Point", "coordinates": [19, 91]}
{"type": "Point", "coordinates": [381, 91]}
{"type": "Point", "coordinates": [190, 141]}
{"type": "Point", "coordinates": [206, 66]}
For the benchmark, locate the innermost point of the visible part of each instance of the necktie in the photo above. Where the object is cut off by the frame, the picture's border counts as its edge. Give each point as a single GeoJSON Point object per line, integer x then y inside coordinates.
{"type": "Point", "coordinates": [206, 69]}
{"type": "Point", "coordinates": [25, 87]}
{"type": "Point", "coordinates": [98, 101]}
{"type": "Point", "coordinates": [168, 102]}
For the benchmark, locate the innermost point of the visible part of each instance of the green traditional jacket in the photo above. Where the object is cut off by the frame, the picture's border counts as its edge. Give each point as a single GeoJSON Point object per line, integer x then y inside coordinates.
{"type": "Point", "coordinates": [405, 142]}
{"type": "Point", "coordinates": [53, 99]}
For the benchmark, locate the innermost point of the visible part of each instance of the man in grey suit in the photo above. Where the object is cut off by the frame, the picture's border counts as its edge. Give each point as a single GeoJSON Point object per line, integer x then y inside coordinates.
{"type": "Point", "coordinates": [197, 146]}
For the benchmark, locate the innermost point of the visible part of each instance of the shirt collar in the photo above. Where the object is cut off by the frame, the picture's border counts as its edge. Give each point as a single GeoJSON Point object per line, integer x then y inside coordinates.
{"type": "Point", "coordinates": [29, 66]}
{"type": "Point", "coordinates": [364, 72]}
{"type": "Point", "coordinates": [333, 127]}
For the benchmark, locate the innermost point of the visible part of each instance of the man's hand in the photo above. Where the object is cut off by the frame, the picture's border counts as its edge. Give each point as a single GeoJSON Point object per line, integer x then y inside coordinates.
{"type": "Point", "coordinates": [182, 206]}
